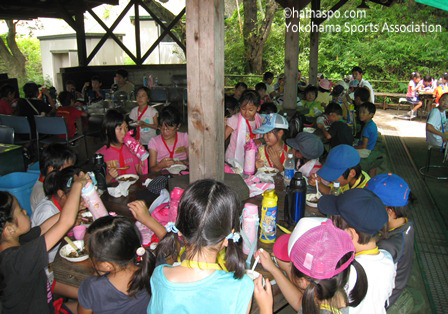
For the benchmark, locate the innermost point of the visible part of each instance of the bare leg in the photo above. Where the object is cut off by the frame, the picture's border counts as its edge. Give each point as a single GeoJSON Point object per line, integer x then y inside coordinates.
{"type": "Point", "coordinates": [66, 290]}
{"type": "Point", "coordinates": [417, 106]}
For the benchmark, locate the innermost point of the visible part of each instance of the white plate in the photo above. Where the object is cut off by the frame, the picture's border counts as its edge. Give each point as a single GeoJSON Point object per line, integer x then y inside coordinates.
{"type": "Point", "coordinates": [309, 197]}
{"type": "Point", "coordinates": [133, 124]}
{"type": "Point", "coordinates": [270, 171]}
{"type": "Point", "coordinates": [67, 249]}
{"type": "Point", "coordinates": [311, 204]}
{"type": "Point", "coordinates": [128, 176]}
{"type": "Point", "coordinates": [87, 214]}
{"type": "Point", "coordinates": [309, 130]}
{"type": "Point", "coordinates": [176, 169]}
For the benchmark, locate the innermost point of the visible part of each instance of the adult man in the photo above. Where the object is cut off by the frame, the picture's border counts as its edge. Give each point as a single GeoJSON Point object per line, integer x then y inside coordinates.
{"type": "Point", "coordinates": [357, 75]}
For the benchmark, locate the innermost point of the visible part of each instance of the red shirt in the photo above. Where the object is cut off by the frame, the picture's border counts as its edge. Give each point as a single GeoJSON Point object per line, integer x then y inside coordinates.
{"type": "Point", "coordinates": [70, 114]}
{"type": "Point", "coordinates": [5, 107]}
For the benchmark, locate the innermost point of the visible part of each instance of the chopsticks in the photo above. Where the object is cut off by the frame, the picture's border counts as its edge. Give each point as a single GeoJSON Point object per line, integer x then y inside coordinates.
{"type": "Point", "coordinates": [70, 242]}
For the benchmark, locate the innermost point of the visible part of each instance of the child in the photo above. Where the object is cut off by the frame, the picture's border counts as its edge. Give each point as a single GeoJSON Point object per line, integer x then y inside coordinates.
{"type": "Point", "coordinates": [171, 146]}
{"type": "Point", "coordinates": [239, 127]}
{"type": "Point", "coordinates": [274, 152]}
{"type": "Point", "coordinates": [339, 132]}
{"type": "Point", "coordinates": [260, 88]}
{"type": "Point", "coordinates": [362, 95]}
{"type": "Point", "coordinates": [207, 222]}
{"type": "Point", "coordinates": [361, 214]}
{"type": "Point", "coordinates": [426, 86]}
{"type": "Point", "coordinates": [341, 165]}
{"type": "Point", "coordinates": [314, 107]}
{"type": "Point", "coordinates": [279, 87]}
{"type": "Point", "coordinates": [92, 90]}
{"type": "Point", "coordinates": [23, 252]}
{"type": "Point", "coordinates": [441, 89]}
{"type": "Point", "coordinates": [268, 107]}
{"type": "Point", "coordinates": [240, 87]}
{"type": "Point", "coordinates": [123, 265]}
{"type": "Point", "coordinates": [307, 148]}
{"type": "Point", "coordinates": [119, 159]}
{"type": "Point", "coordinates": [268, 78]}
{"type": "Point", "coordinates": [394, 193]}
{"type": "Point", "coordinates": [323, 95]}
{"type": "Point", "coordinates": [411, 95]}
{"type": "Point", "coordinates": [357, 74]}
{"type": "Point", "coordinates": [436, 126]}
{"type": "Point", "coordinates": [69, 113]}
{"type": "Point", "coordinates": [7, 96]}
{"type": "Point", "coordinates": [369, 134]}
{"type": "Point", "coordinates": [231, 106]}
{"type": "Point", "coordinates": [145, 116]}
{"type": "Point", "coordinates": [55, 157]}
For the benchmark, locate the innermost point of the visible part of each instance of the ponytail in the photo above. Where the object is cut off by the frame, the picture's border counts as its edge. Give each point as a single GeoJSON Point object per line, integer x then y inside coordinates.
{"type": "Point", "coordinates": [235, 259]}
{"type": "Point", "coordinates": [359, 291]}
{"type": "Point", "coordinates": [169, 247]}
{"type": "Point", "coordinates": [141, 278]}
{"type": "Point", "coordinates": [309, 304]}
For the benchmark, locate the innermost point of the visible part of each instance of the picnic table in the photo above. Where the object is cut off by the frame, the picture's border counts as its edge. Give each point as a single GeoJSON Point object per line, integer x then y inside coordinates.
{"type": "Point", "coordinates": [393, 95]}
{"type": "Point", "coordinates": [74, 273]}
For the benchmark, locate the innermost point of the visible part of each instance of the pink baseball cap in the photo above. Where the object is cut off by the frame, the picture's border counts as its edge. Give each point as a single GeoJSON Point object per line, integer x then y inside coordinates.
{"type": "Point", "coordinates": [318, 251]}
{"type": "Point", "coordinates": [280, 248]}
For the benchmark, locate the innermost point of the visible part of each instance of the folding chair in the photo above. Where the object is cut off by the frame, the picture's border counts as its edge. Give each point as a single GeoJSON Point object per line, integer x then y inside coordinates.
{"type": "Point", "coordinates": [54, 126]}
{"type": "Point", "coordinates": [158, 97]}
{"type": "Point", "coordinates": [6, 135]}
{"type": "Point", "coordinates": [20, 126]}
{"type": "Point", "coordinates": [439, 172]}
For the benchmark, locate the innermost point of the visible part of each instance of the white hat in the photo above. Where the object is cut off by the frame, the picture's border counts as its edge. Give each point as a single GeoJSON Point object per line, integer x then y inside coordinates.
{"type": "Point", "coordinates": [304, 224]}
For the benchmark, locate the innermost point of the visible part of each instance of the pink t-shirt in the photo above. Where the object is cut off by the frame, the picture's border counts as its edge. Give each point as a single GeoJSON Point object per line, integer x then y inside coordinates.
{"type": "Point", "coordinates": [233, 123]}
{"type": "Point", "coordinates": [411, 93]}
{"type": "Point", "coordinates": [129, 158]}
{"type": "Point", "coordinates": [180, 151]}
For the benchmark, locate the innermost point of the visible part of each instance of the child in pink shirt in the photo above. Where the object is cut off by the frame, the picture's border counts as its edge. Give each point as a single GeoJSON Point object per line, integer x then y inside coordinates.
{"type": "Point", "coordinates": [241, 126]}
{"type": "Point", "coordinates": [170, 147]}
{"type": "Point", "coordinates": [119, 159]}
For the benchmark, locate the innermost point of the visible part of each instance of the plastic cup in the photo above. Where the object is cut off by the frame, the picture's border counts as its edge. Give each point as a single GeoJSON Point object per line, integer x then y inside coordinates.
{"type": "Point", "coordinates": [79, 232]}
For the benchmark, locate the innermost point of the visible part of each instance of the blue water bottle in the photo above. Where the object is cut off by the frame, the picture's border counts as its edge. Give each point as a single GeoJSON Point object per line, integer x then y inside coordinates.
{"type": "Point", "coordinates": [295, 199]}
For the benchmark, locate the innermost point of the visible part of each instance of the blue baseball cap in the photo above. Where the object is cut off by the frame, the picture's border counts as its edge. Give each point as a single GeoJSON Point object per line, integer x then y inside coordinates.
{"type": "Point", "coordinates": [339, 159]}
{"type": "Point", "coordinates": [390, 188]}
{"type": "Point", "coordinates": [272, 121]}
{"type": "Point", "coordinates": [360, 208]}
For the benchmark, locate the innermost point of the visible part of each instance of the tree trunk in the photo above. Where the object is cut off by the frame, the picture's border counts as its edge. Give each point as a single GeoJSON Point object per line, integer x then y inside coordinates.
{"type": "Point", "coordinates": [13, 58]}
{"type": "Point", "coordinates": [256, 33]}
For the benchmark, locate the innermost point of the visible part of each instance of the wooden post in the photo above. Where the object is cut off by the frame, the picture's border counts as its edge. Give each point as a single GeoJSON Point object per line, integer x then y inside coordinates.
{"type": "Point", "coordinates": [81, 39]}
{"type": "Point", "coordinates": [314, 46]}
{"type": "Point", "coordinates": [138, 49]}
{"type": "Point", "coordinates": [291, 58]}
{"type": "Point", "coordinates": [205, 87]}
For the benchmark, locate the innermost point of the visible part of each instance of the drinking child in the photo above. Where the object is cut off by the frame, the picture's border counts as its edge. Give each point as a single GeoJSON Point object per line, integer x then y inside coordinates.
{"type": "Point", "coordinates": [207, 223]}
{"type": "Point", "coordinates": [145, 116]}
{"type": "Point", "coordinates": [274, 152]}
{"type": "Point", "coordinates": [171, 146]}
{"type": "Point", "coordinates": [118, 157]}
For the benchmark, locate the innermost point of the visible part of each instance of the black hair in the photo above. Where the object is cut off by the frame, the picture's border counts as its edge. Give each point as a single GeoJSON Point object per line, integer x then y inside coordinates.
{"type": "Point", "coordinates": [96, 78]}
{"type": "Point", "coordinates": [6, 209]}
{"type": "Point", "coordinates": [143, 88]}
{"type": "Point", "coordinates": [415, 75]}
{"type": "Point", "coordinates": [442, 98]}
{"type": "Point", "coordinates": [169, 116]}
{"type": "Point", "coordinates": [55, 155]}
{"type": "Point", "coordinates": [6, 90]}
{"type": "Point", "coordinates": [208, 211]}
{"type": "Point", "coordinates": [427, 78]}
{"type": "Point", "coordinates": [112, 119]}
{"type": "Point", "coordinates": [445, 76]}
{"type": "Point", "coordinates": [363, 94]}
{"type": "Point", "coordinates": [357, 69]}
{"type": "Point", "coordinates": [357, 169]}
{"type": "Point", "coordinates": [312, 89]}
{"type": "Point", "coordinates": [333, 108]}
{"type": "Point", "coordinates": [267, 76]}
{"type": "Point", "coordinates": [268, 107]}
{"type": "Point", "coordinates": [363, 238]}
{"type": "Point", "coordinates": [400, 211]}
{"type": "Point", "coordinates": [327, 289]}
{"type": "Point", "coordinates": [60, 180]}
{"type": "Point", "coordinates": [250, 96]}
{"type": "Point", "coordinates": [369, 107]}
{"type": "Point", "coordinates": [122, 73]}
{"type": "Point", "coordinates": [30, 90]}
{"type": "Point", "coordinates": [260, 86]}
{"type": "Point", "coordinates": [70, 82]}
{"type": "Point", "coordinates": [116, 240]}
{"type": "Point", "coordinates": [65, 98]}
{"type": "Point", "coordinates": [230, 106]}
{"type": "Point", "coordinates": [241, 84]}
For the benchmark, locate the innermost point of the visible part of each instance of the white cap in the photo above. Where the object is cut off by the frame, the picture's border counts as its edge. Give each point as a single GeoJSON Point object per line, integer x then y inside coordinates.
{"type": "Point", "coordinates": [304, 224]}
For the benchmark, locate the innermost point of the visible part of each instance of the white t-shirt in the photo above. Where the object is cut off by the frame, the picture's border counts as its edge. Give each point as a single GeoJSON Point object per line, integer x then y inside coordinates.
{"type": "Point", "coordinates": [367, 85]}
{"type": "Point", "coordinates": [45, 210]}
{"type": "Point", "coordinates": [438, 120]}
{"type": "Point", "coordinates": [37, 195]}
{"type": "Point", "coordinates": [380, 271]}
{"type": "Point", "coordinates": [148, 117]}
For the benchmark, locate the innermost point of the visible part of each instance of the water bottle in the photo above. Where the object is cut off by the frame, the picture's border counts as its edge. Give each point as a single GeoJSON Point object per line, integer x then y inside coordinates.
{"type": "Point", "coordinates": [93, 201]}
{"type": "Point", "coordinates": [99, 169]}
{"type": "Point", "coordinates": [295, 199]}
{"type": "Point", "coordinates": [336, 189]}
{"type": "Point", "coordinates": [249, 157]}
{"type": "Point", "coordinates": [145, 81]}
{"type": "Point", "coordinates": [289, 169]}
{"type": "Point", "coordinates": [249, 228]}
{"type": "Point", "coordinates": [268, 217]}
{"type": "Point", "coordinates": [175, 196]}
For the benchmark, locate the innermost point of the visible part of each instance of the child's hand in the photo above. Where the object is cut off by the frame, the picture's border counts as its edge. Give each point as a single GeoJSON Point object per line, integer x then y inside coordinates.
{"type": "Point", "coordinates": [263, 296]}
{"type": "Point", "coordinates": [275, 158]}
{"type": "Point", "coordinates": [265, 260]}
{"type": "Point", "coordinates": [312, 180]}
{"type": "Point", "coordinates": [139, 210]}
{"type": "Point", "coordinates": [258, 142]}
{"type": "Point", "coordinates": [82, 178]}
{"type": "Point", "coordinates": [259, 163]}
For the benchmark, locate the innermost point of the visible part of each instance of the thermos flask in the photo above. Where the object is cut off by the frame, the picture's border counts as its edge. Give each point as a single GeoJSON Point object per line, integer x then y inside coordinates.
{"type": "Point", "coordinates": [295, 199]}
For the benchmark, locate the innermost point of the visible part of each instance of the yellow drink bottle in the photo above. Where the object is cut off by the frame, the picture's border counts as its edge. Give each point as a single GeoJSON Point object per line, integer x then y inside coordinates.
{"type": "Point", "coordinates": [268, 225]}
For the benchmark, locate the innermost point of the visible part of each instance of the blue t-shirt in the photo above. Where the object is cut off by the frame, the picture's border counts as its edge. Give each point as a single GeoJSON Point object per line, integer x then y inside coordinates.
{"type": "Point", "coordinates": [217, 293]}
{"type": "Point", "coordinates": [371, 132]}
{"type": "Point", "coordinates": [437, 119]}
{"type": "Point", "coordinates": [99, 295]}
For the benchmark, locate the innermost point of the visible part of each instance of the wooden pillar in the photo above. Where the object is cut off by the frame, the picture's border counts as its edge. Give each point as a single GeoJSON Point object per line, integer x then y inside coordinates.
{"type": "Point", "coordinates": [314, 46]}
{"type": "Point", "coordinates": [291, 57]}
{"type": "Point", "coordinates": [81, 38]}
{"type": "Point", "coordinates": [205, 87]}
{"type": "Point", "coordinates": [138, 50]}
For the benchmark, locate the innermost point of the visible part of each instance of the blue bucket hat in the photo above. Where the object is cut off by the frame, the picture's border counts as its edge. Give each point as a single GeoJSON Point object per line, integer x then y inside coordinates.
{"type": "Point", "coordinates": [390, 188]}
{"type": "Point", "coordinates": [272, 121]}
{"type": "Point", "coordinates": [339, 159]}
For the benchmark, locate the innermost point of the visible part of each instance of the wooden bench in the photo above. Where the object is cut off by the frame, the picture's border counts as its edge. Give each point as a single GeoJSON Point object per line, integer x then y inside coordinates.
{"type": "Point", "coordinates": [393, 95]}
